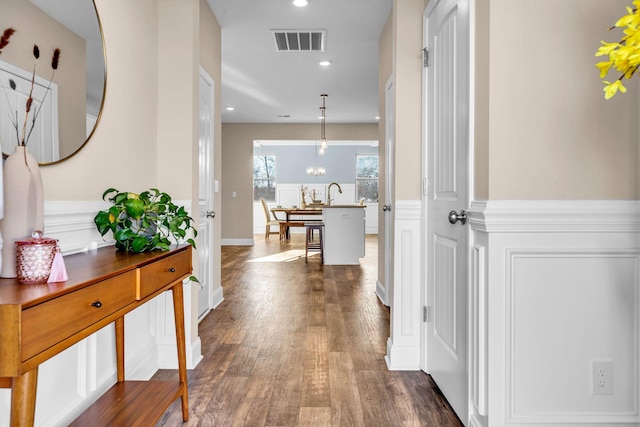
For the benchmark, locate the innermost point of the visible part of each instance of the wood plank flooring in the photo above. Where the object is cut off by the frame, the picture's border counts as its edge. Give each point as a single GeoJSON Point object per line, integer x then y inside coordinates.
{"type": "Point", "coordinates": [301, 344]}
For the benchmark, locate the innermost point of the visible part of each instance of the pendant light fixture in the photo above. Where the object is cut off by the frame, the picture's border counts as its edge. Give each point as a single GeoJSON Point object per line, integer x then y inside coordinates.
{"type": "Point", "coordinates": [323, 119]}
{"type": "Point", "coordinates": [319, 170]}
{"type": "Point", "coordinates": [316, 170]}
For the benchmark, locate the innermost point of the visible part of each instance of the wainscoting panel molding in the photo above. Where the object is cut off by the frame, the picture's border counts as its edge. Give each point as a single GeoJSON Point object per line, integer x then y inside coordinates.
{"type": "Point", "coordinates": [69, 382]}
{"type": "Point", "coordinates": [555, 289]}
{"type": "Point", "coordinates": [403, 346]}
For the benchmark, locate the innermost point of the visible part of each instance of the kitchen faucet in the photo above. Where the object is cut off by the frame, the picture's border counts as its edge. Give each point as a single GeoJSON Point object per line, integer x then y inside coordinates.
{"type": "Point", "coordinates": [329, 192]}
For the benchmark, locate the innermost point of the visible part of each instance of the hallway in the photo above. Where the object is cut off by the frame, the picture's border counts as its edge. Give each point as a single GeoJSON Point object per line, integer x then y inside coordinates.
{"type": "Point", "coordinates": [295, 344]}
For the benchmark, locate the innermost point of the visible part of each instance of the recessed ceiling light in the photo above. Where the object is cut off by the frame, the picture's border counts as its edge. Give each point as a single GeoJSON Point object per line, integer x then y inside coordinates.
{"type": "Point", "coordinates": [229, 108]}
{"type": "Point", "coordinates": [300, 3]}
{"type": "Point", "coordinates": [377, 117]}
{"type": "Point", "coordinates": [324, 63]}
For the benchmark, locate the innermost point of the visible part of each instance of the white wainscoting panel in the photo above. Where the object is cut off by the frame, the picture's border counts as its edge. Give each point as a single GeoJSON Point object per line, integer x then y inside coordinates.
{"type": "Point", "coordinates": [69, 382]}
{"type": "Point", "coordinates": [403, 346]}
{"type": "Point", "coordinates": [555, 286]}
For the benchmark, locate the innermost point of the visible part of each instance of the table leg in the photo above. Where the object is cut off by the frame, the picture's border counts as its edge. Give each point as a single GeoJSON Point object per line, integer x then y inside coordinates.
{"type": "Point", "coordinates": [178, 311]}
{"type": "Point", "coordinates": [287, 232]}
{"type": "Point", "coordinates": [120, 347]}
{"type": "Point", "coordinates": [23, 398]}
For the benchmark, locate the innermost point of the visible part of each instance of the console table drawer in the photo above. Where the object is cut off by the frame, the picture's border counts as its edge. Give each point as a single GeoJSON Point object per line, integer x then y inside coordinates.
{"type": "Point", "coordinates": [47, 324]}
{"type": "Point", "coordinates": [163, 272]}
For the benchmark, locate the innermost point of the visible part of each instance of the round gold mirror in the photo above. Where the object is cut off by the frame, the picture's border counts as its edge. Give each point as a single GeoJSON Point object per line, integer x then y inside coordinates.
{"type": "Point", "coordinates": [67, 101]}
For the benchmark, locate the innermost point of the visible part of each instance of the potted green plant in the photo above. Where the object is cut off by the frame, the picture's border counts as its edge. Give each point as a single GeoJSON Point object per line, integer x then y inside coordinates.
{"type": "Point", "coordinates": [144, 222]}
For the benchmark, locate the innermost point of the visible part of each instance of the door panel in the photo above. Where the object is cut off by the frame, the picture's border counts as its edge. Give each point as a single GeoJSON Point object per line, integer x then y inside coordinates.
{"type": "Point", "coordinates": [389, 150]}
{"type": "Point", "coordinates": [447, 140]}
{"type": "Point", "coordinates": [205, 198]}
{"type": "Point", "coordinates": [445, 293]}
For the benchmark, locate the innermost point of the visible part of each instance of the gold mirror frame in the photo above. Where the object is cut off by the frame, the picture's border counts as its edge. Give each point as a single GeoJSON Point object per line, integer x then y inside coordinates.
{"type": "Point", "coordinates": [98, 116]}
{"type": "Point", "coordinates": [104, 93]}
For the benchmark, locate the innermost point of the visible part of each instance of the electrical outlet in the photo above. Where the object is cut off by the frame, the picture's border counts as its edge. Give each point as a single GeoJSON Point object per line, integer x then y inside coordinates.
{"type": "Point", "coordinates": [602, 374]}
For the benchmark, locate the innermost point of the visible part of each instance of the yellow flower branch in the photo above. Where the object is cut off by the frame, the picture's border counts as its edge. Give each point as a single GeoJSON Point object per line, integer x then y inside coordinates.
{"type": "Point", "coordinates": [624, 56]}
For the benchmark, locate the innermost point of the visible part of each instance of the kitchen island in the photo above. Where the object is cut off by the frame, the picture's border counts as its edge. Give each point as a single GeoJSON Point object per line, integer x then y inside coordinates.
{"type": "Point", "coordinates": [344, 239]}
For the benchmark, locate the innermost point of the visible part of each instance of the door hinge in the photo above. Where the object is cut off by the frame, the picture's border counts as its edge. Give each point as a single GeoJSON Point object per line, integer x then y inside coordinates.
{"type": "Point", "coordinates": [426, 314]}
{"type": "Point", "coordinates": [426, 186]}
{"type": "Point", "coordinates": [425, 57]}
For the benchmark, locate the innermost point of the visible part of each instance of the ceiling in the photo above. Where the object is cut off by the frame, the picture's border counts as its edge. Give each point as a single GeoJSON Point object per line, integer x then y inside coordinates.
{"type": "Point", "coordinates": [267, 86]}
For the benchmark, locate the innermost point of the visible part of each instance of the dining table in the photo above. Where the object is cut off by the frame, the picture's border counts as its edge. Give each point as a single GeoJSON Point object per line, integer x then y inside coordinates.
{"type": "Point", "coordinates": [296, 214]}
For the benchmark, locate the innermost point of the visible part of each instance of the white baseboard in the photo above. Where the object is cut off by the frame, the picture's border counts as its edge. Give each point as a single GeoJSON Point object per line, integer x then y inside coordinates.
{"type": "Point", "coordinates": [167, 357]}
{"type": "Point", "coordinates": [402, 357]}
{"type": "Point", "coordinates": [381, 292]}
{"type": "Point", "coordinates": [217, 297]}
{"type": "Point", "coordinates": [237, 242]}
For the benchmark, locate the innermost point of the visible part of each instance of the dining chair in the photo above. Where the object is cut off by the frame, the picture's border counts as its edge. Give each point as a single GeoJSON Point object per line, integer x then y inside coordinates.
{"type": "Point", "coordinates": [270, 222]}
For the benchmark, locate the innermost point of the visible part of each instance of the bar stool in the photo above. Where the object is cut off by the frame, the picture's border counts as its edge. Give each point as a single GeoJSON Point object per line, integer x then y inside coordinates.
{"type": "Point", "coordinates": [311, 245]}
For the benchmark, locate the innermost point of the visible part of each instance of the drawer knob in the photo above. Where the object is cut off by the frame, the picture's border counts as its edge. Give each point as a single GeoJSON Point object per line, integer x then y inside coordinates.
{"type": "Point", "coordinates": [96, 304]}
{"type": "Point", "coordinates": [173, 270]}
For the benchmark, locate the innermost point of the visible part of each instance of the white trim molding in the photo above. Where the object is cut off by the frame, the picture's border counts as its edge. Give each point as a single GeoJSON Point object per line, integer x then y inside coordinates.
{"type": "Point", "coordinates": [71, 222]}
{"type": "Point", "coordinates": [403, 346]}
{"type": "Point", "coordinates": [238, 242]}
{"type": "Point", "coordinates": [554, 289]}
{"type": "Point", "coordinates": [381, 293]}
{"type": "Point", "coordinates": [549, 216]}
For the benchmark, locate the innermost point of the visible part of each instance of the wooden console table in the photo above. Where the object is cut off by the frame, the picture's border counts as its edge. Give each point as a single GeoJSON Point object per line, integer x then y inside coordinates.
{"type": "Point", "coordinates": [39, 321]}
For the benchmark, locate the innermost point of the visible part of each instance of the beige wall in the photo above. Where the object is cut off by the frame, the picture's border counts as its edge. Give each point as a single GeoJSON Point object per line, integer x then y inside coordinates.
{"type": "Point", "coordinates": [543, 129]}
{"type": "Point", "coordinates": [178, 62]}
{"type": "Point", "coordinates": [35, 27]}
{"type": "Point", "coordinates": [407, 70]}
{"type": "Point", "coordinates": [177, 108]}
{"type": "Point", "coordinates": [122, 152]}
{"type": "Point", "coordinates": [237, 168]}
{"type": "Point", "coordinates": [210, 60]}
{"type": "Point", "coordinates": [480, 81]}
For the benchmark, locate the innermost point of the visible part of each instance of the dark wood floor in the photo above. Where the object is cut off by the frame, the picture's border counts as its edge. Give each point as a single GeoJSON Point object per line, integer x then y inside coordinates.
{"type": "Point", "coordinates": [296, 344]}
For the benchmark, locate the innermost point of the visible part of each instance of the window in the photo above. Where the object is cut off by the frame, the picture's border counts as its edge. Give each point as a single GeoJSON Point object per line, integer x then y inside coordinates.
{"type": "Point", "coordinates": [264, 177]}
{"type": "Point", "coordinates": [367, 177]}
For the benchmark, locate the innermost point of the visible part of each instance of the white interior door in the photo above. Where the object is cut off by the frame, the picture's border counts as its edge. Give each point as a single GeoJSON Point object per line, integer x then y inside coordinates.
{"type": "Point", "coordinates": [205, 198]}
{"type": "Point", "coordinates": [447, 140]}
{"type": "Point", "coordinates": [389, 150]}
{"type": "Point", "coordinates": [43, 141]}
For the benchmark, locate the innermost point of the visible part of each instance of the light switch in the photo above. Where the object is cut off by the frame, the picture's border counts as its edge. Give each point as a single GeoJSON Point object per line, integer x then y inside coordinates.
{"type": "Point", "coordinates": [216, 186]}
{"type": "Point", "coordinates": [233, 194]}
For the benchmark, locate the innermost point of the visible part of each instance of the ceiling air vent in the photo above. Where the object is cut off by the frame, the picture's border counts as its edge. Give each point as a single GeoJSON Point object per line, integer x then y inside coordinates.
{"type": "Point", "coordinates": [299, 40]}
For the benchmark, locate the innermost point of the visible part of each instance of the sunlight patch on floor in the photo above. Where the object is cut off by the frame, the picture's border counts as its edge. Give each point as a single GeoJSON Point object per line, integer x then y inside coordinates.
{"type": "Point", "coordinates": [286, 256]}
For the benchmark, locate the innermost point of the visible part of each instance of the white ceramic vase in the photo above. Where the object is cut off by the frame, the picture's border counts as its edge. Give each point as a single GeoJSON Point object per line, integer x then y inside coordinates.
{"type": "Point", "coordinates": [23, 205]}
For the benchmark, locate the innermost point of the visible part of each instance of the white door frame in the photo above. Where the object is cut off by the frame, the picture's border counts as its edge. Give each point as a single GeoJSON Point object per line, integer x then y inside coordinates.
{"type": "Point", "coordinates": [206, 181]}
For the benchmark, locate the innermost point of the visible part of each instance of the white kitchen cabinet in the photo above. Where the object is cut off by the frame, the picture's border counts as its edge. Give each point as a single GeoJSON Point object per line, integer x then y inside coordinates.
{"type": "Point", "coordinates": [344, 230]}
